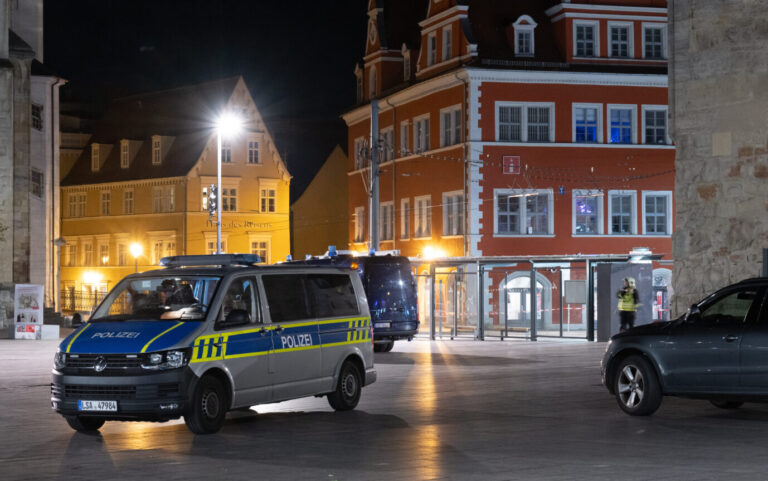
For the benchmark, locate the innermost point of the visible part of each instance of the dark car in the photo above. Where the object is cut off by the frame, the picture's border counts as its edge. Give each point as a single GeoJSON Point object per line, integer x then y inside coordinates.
{"type": "Point", "coordinates": [717, 351]}
{"type": "Point", "coordinates": [391, 292]}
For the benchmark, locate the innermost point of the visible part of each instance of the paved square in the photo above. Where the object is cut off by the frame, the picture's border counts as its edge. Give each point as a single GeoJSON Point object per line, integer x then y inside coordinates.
{"type": "Point", "coordinates": [460, 410]}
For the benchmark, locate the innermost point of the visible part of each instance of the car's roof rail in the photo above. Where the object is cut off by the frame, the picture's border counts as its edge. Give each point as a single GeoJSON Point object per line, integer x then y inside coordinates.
{"type": "Point", "coordinates": [754, 279]}
{"type": "Point", "coordinates": [211, 260]}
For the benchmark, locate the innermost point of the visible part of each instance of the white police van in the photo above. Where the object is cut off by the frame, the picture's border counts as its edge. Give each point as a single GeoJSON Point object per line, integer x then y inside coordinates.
{"type": "Point", "coordinates": [209, 334]}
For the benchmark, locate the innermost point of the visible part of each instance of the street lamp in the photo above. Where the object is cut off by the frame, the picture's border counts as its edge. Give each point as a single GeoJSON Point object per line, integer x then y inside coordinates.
{"type": "Point", "coordinates": [227, 125]}
{"type": "Point", "coordinates": [136, 251]}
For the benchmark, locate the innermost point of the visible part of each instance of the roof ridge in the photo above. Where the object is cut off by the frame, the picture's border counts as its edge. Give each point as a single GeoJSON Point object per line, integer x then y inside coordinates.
{"type": "Point", "coordinates": [183, 88]}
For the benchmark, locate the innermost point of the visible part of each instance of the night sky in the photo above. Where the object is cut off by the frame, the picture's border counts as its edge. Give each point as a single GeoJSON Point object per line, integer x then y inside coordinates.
{"type": "Point", "coordinates": [296, 56]}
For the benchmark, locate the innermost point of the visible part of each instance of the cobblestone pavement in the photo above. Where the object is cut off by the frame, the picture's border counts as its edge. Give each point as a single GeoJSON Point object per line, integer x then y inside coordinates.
{"type": "Point", "coordinates": [460, 410]}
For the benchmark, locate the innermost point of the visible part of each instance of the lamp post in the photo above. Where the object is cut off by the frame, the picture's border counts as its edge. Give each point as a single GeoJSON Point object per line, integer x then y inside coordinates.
{"type": "Point", "coordinates": [136, 251]}
{"type": "Point", "coordinates": [227, 125]}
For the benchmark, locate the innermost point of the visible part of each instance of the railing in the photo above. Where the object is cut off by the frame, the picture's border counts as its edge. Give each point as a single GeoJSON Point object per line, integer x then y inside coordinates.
{"type": "Point", "coordinates": [78, 301]}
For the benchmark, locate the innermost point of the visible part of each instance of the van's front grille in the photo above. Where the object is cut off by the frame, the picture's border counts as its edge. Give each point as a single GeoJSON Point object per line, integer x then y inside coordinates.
{"type": "Point", "coordinates": [114, 361]}
{"type": "Point", "coordinates": [99, 392]}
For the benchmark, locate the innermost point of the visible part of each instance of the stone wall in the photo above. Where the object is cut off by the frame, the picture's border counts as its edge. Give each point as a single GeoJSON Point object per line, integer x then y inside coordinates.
{"type": "Point", "coordinates": [719, 94]}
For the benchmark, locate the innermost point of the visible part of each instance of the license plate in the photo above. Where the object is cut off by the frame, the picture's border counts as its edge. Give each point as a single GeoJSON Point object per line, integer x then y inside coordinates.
{"type": "Point", "coordinates": [381, 324]}
{"type": "Point", "coordinates": [109, 406]}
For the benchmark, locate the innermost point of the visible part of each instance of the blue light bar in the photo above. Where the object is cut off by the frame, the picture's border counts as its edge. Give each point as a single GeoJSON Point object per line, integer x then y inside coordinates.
{"type": "Point", "coordinates": [211, 260]}
{"type": "Point", "coordinates": [332, 251]}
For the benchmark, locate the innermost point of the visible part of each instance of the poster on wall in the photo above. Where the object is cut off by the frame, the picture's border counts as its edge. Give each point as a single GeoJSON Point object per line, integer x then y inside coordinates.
{"type": "Point", "coordinates": [28, 311]}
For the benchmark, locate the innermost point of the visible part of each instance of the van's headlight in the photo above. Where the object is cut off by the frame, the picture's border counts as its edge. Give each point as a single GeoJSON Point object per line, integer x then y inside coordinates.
{"type": "Point", "coordinates": [60, 360]}
{"type": "Point", "coordinates": [165, 360]}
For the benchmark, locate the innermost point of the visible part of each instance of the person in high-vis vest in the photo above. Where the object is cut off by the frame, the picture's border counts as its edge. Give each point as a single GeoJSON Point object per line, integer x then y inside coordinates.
{"type": "Point", "coordinates": [627, 304]}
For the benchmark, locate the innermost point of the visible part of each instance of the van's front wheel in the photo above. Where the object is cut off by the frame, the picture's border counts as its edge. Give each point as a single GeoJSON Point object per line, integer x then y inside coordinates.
{"type": "Point", "coordinates": [347, 393]}
{"type": "Point", "coordinates": [209, 407]}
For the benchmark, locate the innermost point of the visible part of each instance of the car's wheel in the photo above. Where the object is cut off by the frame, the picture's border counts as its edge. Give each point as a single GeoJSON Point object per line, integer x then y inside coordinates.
{"type": "Point", "coordinates": [84, 424]}
{"type": "Point", "coordinates": [726, 404]}
{"type": "Point", "coordinates": [637, 387]}
{"type": "Point", "coordinates": [388, 346]}
{"type": "Point", "coordinates": [347, 393]}
{"type": "Point", "coordinates": [209, 407]}
{"type": "Point", "coordinates": [378, 347]}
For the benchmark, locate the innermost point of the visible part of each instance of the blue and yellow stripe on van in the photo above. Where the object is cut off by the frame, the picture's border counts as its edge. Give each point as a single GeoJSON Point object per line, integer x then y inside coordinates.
{"type": "Point", "coordinates": [279, 338]}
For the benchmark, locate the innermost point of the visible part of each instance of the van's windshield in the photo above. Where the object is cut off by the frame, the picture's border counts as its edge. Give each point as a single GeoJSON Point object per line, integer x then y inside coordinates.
{"type": "Point", "coordinates": [156, 298]}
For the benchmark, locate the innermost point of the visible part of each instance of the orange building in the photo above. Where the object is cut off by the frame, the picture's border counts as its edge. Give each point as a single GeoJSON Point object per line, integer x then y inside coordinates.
{"type": "Point", "coordinates": [516, 128]}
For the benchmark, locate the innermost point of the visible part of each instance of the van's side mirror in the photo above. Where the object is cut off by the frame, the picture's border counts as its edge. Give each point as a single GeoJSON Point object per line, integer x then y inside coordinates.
{"type": "Point", "coordinates": [693, 313]}
{"type": "Point", "coordinates": [236, 317]}
{"type": "Point", "coordinates": [77, 321]}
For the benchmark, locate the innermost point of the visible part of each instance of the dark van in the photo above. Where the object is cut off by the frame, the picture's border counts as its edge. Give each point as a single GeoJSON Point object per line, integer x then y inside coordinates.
{"type": "Point", "coordinates": [391, 291]}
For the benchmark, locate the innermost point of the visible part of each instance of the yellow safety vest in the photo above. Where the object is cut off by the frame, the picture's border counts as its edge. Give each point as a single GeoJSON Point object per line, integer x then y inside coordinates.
{"type": "Point", "coordinates": [627, 301]}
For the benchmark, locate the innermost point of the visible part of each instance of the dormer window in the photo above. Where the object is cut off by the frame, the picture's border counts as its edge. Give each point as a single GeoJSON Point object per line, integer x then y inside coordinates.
{"type": "Point", "coordinates": [447, 42]}
{"type": "Point", "coordinates": [95, 157]}
{"type": "Point", "coordinates": [156, 150]}
{"type": "Point", "coordinates": [124, 154]}
{"type": "Point", "coordinates": [524, 39]}
{"type": "Point", "coordinates": [586, 38]}
{"type": "Point", "coordinates": [431, 49]}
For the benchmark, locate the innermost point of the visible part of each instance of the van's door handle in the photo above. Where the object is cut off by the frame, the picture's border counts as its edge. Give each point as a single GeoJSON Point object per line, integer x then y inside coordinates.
{"type": "Point", "coordinates": [730, 338]}
{"type": "Point", "coordinates": [217, 343]}
{"type": "Point", "coordinates": [279, 329]}
{"type": "Point", "coordinates": [262, 331]}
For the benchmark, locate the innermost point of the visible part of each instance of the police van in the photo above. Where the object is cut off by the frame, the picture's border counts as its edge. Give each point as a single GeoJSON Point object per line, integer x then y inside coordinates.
{"type": "Point", "coordinates": [209, 334]}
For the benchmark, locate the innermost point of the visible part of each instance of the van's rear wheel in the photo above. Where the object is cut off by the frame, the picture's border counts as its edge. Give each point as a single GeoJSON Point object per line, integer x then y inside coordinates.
{"type": "Point", "coordinates": [209, 407]}
{"type": "Point", "coordinates": [84, 424]}
{"type": "Point", "coordinates": [388, 346]}
{"type": "Point", "coordinates": [347, 393]}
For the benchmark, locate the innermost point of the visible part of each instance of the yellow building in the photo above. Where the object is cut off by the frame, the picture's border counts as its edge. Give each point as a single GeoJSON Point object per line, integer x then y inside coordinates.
{"type": "Point", "coordinates": [144, 178]}
{"type": "Point", "coordinates": [320, 216]}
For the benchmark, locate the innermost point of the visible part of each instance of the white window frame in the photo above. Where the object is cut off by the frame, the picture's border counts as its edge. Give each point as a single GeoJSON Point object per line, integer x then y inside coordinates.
{"type": "Point", "coordinates": [633, 214]}
{"type": "Point", "coordinates": [431, 49]}
{"type": "Point", "coordinates": [418, 124]}
{"type": "Point", "coordinates": [36, 116]}
{"type": "Point", "coordinates": [528, 27]}
{"type": "Point", "coordinates": [359, 157]}
{"type": "Point", "coordinates": [125, 154]}
{"type": "Point", "coordinates": [600, 128]}
{"type": "Point", "coordinates": [420, 217]}
{"type": "Point", "coordinates": [612, 107]}
{"type": "Point", "coordinates": [387, 220]}
{"type": "Point", "coordinates": [163, 199]}
{"type": "Point", "coordinates": [122, 253]}
{"type": "Point", "coordinates": [595, 24]}
{"type": "Point", "coordinates": [656, 108]}
{"type": "Point", "coordinates": [405, 148]}
{"type": "Point", "coordinates": [359, 221]}
{"type": "Point", "coordinates": [226, 151]}
{"type": "Point", "coordinates": [405, 218]}
{"type": "Point", "coordinates": [658, 193]}
{"type": "Point", "coordinates": [226, 192]}
{"type": "Point", "coordinates": [129, 201]}
{"type": "Point", "coordinates": [105, 202]}
{"type": "Point", "coordinates": [87, 252]}
{"type": "Point", "coordinates": [523, 211]}
{"type": "Point", "coordinates": [664, 39]}
{"type": "Point", "coordinates": [575, 193]}
{"type": "Point", "coordinates": [103, 246]}
{"type": "Point", "coordinates": [459, 215]}
{"type": "Point", "coordinates": [450, 129]}
{"type": "Point", "coordinates": [447, 46]}
{"type": "Point", "coordinates": [387, 136]}
{"type": "Point", "coordinates": [95, 164]}
{"type": "Point", "coordinates": [77, 202]}
{"type": "Point", "coordinates": [630, 38]}
{"type": "Point", "coordinates": [252, 139]}
{"type": "Point", "coordinates": [157, 150]}
{"type": "Point", "coordinates": [210, 239]}
{"type": "Point", "coordinates": [524, 119]}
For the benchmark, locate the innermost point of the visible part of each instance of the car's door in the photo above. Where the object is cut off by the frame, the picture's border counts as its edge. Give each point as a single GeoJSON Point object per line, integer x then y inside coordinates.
{"type": "Point", "coordinates": [702, 353]}
{"type": "Point", "coordinates": [244, 348]}
{"type": "Point", "coordinates": [754, 351]}
{"type": "Point", "coordinates": [295, 361]}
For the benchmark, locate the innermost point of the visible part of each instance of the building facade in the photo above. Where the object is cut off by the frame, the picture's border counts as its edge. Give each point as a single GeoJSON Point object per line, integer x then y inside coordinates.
{"type": "Point", "coordinates": [720, 69]}
{"type": "Point", "coordinates": [144, 177]}
{"type": "Point", "coordinates": [319, 217]}
{"type": "Point", "coordinates": [29, 106]}
{"type": "Point", "coordinates": [516, 128]}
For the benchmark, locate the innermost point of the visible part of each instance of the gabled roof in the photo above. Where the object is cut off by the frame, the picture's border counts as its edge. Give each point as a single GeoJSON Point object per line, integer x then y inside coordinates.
{"type": "Point", "coordinates": [184, 113]}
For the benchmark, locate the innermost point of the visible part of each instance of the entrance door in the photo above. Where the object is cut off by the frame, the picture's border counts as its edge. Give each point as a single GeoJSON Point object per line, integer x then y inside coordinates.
{"type": "Point", "coordinates": [519, 301]}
